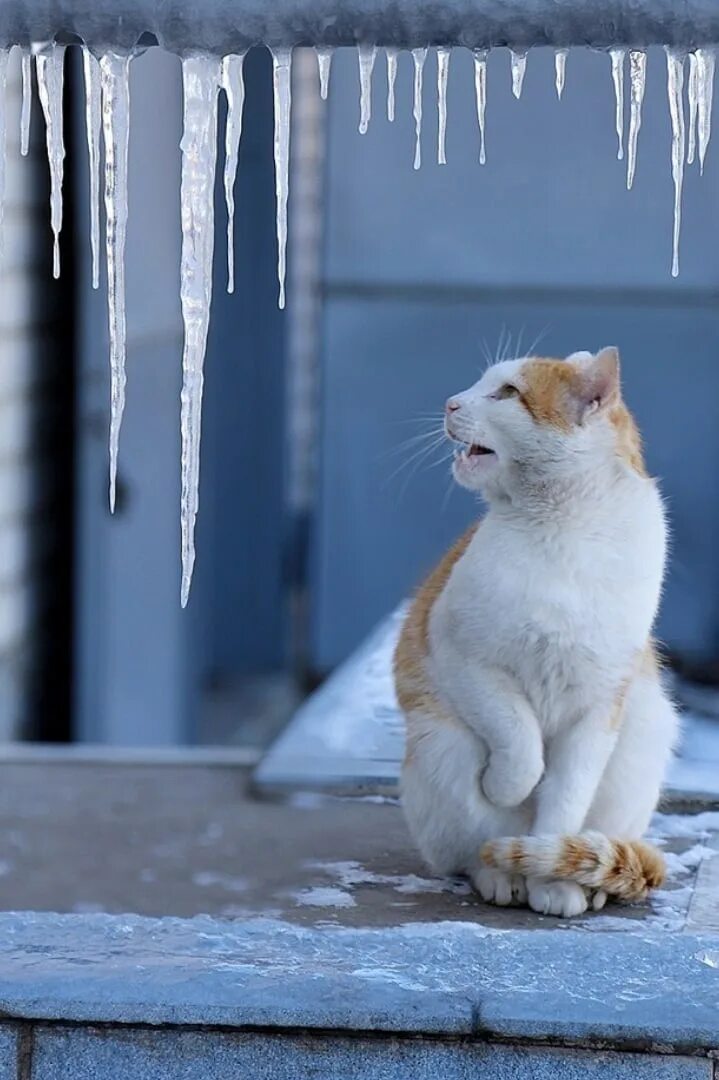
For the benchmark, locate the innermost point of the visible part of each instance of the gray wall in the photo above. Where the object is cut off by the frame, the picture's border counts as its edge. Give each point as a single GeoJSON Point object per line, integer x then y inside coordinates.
{"type": "Point", "coordinates": [422, 268]}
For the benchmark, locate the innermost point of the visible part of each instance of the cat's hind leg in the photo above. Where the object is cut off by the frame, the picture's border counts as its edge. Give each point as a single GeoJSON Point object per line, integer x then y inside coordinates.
{"type": "Point", "coordinates": [629, 790]}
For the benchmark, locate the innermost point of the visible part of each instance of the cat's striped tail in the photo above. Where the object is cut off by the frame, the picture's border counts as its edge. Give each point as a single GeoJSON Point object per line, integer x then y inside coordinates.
{"type": "Point", "coordinates": [624, 869]}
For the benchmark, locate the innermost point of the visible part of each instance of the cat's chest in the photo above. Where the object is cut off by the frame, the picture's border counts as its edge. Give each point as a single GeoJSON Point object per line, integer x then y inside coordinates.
{"type": "Point", "coordinates": [562, 618]}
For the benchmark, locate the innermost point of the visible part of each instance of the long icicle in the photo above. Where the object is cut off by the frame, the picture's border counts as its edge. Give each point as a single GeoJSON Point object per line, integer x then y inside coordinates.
{"type": "Point", "coordinates": [392, 55]}
{"type": "Point", "coordinates": [693, 107]}
{"type": "Point", "coordinates": [324, 63]}
{"type": "Point", "coordinates": [480, 93]}
{"type": "Point", "coordinates": [637, 80]}
{"type": "Point", "coordinates": [560, 71]}
{"type": "Point", "coordinates": [4, 57]}
{"type": "Point", "coordinates": [675, 87]}
{"type": "Point", "coordinates": [366, 56]}
{"type": "Point", "coordinates": [419, 56]}
{"type": "Point", "coordinates": [617, 58]}
{"type": "Point", "coordinates": [518, 67]}
{"type": "Point", "coordinates": [201, 77]}
{"type": "Point", "coordinates": [233, 83]}
{"type": "Point", "coordinates": [282, 92]}
{"type": "Point", "coordinates": [443, 56]}
{"type": "Point", "coordinates": [26, 110]}
{"type": "Point", "coordinates": [115, 83]}
{"type": "Point", "coordinates": [49, 62]}
{"type": "Point", "coordinates": [93, 126]}
{"type": "Point", "coordinates": [706, 61]}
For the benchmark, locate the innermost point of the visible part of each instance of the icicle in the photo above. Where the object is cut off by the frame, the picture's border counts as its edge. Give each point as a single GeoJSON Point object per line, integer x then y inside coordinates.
{"type": "Point", "coordinates": [443, 55]}
{"type": "Point", "coordinates": [115, 83]}
{"type": "Point", "coordinates": [706, 59]}
{"type": "Point", "coordinates": [617, 58]}
{"type": "Point", "coordinates": [201, 77]}
{"type": "Point", "coordinates": [49, 66]}
{"type": "Point", "coordinates": [282, 89]}
{"type": "Point", "coordinates": [324, 63]}
{"type": "Point", "coordinates": [26, 111]}
{"type": "Point", "coordinates": [392, 55]}
{"type": "Point", "coordinates": [675, 87]}
{"type": "Point", "coordinates": [4, 55]}
{"type": "Point", "coordinates": [93, 124]}
{"type": "Point", "coordinates": [693, 101]}
{"type": "Point", "coordinates": [233, 83]}
{"type": "Point", "coordinates": [480, 91]}
{"type": "Point", "coordinates": [637, 78]}
{"type": "Point", "coordinates": [366, 55]}
{"type": "Point", "coordinates": [419, 56]}
{"type": "Point", "coordinates": [560, 70]}
{"type": "Point", "coordinates": [518, 64]}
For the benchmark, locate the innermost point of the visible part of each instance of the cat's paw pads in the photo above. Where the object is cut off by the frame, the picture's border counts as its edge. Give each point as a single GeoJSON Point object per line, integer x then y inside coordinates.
{"type": "Point", "coordinates": [563, 898]}
{"type": "Point", "coordinates": [498, 887]}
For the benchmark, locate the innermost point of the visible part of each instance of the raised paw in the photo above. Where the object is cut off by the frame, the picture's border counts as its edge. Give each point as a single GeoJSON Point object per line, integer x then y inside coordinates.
{"type": "Point", "coordinates": [563, 898]}
{"type": "Point", "coordinates": [507, 781]}
{"type": "Point", "coordinates": [498, 887]}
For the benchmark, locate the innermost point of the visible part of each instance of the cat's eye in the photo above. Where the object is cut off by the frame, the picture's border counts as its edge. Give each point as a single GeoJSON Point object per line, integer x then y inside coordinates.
{"type": "Point", "coordinates": [508, 390]}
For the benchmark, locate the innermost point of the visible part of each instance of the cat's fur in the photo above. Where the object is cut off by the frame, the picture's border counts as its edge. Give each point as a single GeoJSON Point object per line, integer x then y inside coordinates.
{"type": "Point", "coordinates": [538, 730]}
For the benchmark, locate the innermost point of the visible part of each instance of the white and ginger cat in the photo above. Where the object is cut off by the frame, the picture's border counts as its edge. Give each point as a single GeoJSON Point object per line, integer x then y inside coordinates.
{"type": "Point", "coordinates": [538, 730]}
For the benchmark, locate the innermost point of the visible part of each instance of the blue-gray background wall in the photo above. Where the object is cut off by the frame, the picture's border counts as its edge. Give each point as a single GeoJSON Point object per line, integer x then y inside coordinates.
{"type": "Point", "coordinates": [423, 269]}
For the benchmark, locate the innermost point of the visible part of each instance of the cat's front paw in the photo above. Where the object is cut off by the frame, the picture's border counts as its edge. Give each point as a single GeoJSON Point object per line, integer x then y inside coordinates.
{"type": "Point", "coordinates": [509, 779]}
{"type": "Point", "coordinates": [563, 898]}
{"type": "Point", "coordinates": [498, 887]}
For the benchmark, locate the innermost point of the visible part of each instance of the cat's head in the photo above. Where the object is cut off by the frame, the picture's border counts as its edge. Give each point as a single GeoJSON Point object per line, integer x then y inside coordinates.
{"type": "Point", "coordinates": [533, 422]}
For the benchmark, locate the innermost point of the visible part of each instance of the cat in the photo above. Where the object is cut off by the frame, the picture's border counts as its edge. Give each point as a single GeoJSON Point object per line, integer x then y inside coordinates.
{"type": "Point", "coordinates": [538, 728]}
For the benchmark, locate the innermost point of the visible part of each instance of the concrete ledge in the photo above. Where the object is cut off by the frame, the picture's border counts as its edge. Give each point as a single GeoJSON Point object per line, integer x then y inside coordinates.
{"type": "Point", "coordinates": [172, 1055]}
{"type": "Point", "coordinates": [626, 991]}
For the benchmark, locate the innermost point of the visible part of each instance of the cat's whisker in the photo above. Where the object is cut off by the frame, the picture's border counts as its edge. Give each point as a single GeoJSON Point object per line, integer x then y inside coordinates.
{"type": "Point", "coordinates": [416, 458]}
{"type": "Point", "coordinates": [425, 463]}
{"type": "Point", "coordinates": [436, 434]}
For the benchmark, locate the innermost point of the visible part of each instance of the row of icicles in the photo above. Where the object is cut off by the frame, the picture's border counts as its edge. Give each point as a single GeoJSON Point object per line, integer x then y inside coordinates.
{"type": "Point", "coordinates": [107, 114]}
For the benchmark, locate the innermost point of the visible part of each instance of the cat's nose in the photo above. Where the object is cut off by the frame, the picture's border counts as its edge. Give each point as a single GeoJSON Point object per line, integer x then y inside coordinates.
{"type": "Point", "coordinates": [452, 405]}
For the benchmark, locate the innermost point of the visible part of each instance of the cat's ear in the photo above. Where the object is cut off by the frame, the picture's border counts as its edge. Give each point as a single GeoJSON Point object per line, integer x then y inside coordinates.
{"type": "Point", "coordinates": [598, 383]}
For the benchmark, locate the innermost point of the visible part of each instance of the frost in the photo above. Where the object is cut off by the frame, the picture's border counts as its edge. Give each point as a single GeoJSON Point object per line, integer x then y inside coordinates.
{"type": "Point", "coordinates": [324, 897]}
{"type": "Point", "coordinates": [665, 826]}
{"type": "Point", "coordinates": [208, 879]}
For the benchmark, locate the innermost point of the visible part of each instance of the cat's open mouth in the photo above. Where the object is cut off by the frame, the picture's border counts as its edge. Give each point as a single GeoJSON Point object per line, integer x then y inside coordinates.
{"type": "Point", "coordinates": [472, 450]}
